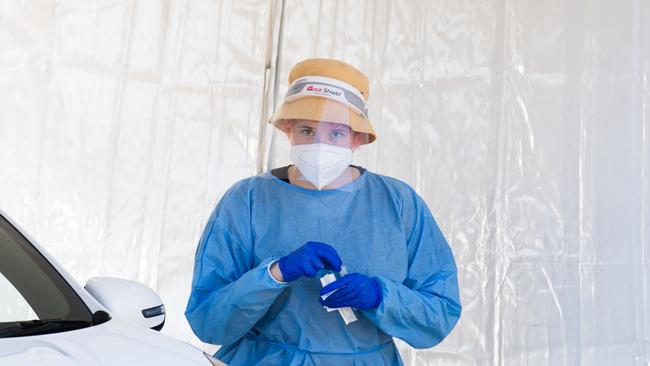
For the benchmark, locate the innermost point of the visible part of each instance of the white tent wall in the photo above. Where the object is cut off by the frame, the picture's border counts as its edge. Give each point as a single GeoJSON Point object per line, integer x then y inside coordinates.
{"type": "Point", "coordinates": [523, 124]}
{"type": "Point", "coordinates": [123, 122]}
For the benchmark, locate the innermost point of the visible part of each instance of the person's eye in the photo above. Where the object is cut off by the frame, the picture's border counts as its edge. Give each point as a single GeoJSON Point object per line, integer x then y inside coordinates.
{"type": "Point", "coordinates": [307, 132]}
{"type": "Point", "coordinates": [337, 134]}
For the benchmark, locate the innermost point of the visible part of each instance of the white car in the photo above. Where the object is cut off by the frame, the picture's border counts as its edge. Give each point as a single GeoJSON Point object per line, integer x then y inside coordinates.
{"type": "Point", "coordinates": [47, 318]}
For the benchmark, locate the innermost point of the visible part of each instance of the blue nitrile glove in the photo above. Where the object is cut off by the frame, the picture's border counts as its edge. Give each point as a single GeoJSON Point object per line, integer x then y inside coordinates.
{"type": "Point", "coordinates": [354, 290]}
{"type": "Point", "coordinates": [308, 260]}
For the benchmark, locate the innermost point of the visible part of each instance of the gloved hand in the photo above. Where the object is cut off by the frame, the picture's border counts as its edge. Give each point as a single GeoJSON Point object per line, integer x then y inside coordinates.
{"type": "Point", "coordinates": [354, 290]}
{"type": "Point", "coordinates": [308, 260]}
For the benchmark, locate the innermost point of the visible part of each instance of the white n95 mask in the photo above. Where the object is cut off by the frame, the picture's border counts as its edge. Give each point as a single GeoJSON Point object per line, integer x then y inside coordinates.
{"type": "Point", "coordinates": [321, 163]}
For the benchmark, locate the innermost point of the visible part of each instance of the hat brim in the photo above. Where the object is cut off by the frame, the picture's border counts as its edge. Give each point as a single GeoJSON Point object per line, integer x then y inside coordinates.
{"type": "Point", "coordinates": [324, 110]}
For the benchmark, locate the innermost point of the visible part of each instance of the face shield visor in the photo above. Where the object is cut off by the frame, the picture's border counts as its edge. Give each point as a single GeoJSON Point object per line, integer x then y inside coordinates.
{"type": "Point", "coordinates": [319, 98]}
{"type": "Point", "coordinates": [325, 120]}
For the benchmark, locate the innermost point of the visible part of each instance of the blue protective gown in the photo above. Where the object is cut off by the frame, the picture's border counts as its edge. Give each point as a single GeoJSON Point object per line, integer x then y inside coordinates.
{"type": "Point", "coordinates": [379, 226]}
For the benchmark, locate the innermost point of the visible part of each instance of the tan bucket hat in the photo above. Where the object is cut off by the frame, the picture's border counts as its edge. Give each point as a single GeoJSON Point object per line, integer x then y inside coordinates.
{"type": "Point", "coordinates": [327, 90]}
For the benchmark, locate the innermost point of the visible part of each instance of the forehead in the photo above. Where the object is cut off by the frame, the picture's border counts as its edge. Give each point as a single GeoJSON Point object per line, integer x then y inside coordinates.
{"type": "Point", "coordinates": [319, 125]}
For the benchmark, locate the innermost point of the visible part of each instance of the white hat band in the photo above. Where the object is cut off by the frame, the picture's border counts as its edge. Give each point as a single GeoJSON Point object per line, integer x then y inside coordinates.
{"type": "Point", "coordinates": [321, 86]}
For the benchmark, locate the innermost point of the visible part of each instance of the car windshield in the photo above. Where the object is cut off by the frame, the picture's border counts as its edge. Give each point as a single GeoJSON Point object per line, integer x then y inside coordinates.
{"type": "Point", "coordinates": [34, 297]}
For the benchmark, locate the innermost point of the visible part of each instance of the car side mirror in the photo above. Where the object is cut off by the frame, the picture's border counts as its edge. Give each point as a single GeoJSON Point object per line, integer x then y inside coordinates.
{"type": "Point", "coordinates": [129, 301]}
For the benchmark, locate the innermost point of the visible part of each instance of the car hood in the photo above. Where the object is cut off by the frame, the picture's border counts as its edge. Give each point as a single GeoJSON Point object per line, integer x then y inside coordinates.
{"type": "Point", "coordinates": [110, 344]}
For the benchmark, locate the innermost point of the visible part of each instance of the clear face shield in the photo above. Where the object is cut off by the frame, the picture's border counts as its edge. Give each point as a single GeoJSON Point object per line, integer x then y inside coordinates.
{"type": "Point", "coordinates": [324, 121]}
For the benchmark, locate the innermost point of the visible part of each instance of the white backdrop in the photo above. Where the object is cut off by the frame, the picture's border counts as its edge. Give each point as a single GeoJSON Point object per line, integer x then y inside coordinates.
{"type": "Point", "coordinates": [523, 124]}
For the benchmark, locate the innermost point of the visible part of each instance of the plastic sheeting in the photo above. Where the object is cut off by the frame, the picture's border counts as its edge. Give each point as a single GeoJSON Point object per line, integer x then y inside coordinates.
{"type": "Point", "coordinates": [523, 124]}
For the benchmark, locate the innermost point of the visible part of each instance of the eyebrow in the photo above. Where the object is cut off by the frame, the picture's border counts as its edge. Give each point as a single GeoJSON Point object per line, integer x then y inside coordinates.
{"type": "Point", "coordinates": [334, 129]}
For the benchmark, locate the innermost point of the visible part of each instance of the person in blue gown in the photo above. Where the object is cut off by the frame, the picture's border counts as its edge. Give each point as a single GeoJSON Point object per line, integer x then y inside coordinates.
{"type": "Point", "coordinates": [256, 288]}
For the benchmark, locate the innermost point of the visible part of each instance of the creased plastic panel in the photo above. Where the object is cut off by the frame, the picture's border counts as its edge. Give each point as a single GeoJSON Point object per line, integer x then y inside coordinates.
{"type": "Point", "coordinates": [122, 124]}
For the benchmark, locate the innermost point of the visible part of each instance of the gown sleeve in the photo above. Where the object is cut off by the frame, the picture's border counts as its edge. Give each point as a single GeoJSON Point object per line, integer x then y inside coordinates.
{"type": "Point", "coordinates": [229, 294]}
{"type": "Point", "coordinates": [425, 307]}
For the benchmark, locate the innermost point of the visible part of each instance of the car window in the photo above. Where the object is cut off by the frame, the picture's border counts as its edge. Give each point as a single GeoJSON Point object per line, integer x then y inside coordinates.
{"type": "Point", "coordinates": [14, 306]}
{"type": "Point", "coordinates": [31, 289]}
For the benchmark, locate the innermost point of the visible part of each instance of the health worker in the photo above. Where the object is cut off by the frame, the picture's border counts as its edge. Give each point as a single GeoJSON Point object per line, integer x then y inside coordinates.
{"type": "Point", "coordinates": [257, 287]}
